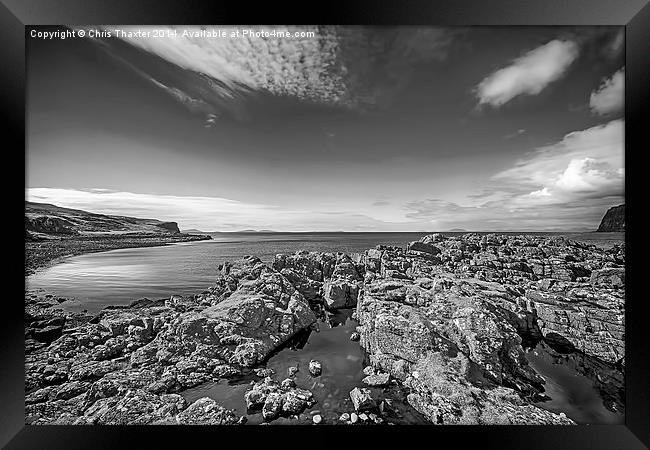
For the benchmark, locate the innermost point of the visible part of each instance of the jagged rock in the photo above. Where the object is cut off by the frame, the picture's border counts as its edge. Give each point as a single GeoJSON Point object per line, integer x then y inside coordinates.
{"type": "Point", "coordinates": [264, 372]}
{"type": "Point", "coordinates": [614, 277]}
{"type": "Point", "coordinates": [379, 379]}
{"type": "Point", "coordinates": [315, 368]}
{"type": "Point", "coordinates": [448, 315]}
{"type": "Point", "coordinates": [441, 391]}
{"type": "Point", "coordinates": [205, 411]}
{"type": "Point", "coordinates": [362, 399]}
{"type": "Point", "coordinates": [277, 399]}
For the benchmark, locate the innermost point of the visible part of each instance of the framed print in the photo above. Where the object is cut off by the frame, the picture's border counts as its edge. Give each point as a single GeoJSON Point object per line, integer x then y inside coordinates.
{"type": "Point", "coordinates": [383, 220]}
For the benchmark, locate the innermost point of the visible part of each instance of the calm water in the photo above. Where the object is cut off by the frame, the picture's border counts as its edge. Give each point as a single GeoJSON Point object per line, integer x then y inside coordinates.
{"type": "Point", "coordinates": [118, 277]}
{"type": "Point", "coordinates": [571, 392]}
{"type": "Point", "coordinates": [342, 361]}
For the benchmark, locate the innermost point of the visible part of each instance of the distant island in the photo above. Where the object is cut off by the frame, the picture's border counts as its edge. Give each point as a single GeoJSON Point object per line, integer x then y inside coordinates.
{"type": "Point", "coordinates": [614, 219]}
{"type": "Point", "coordinates": [52, 232]}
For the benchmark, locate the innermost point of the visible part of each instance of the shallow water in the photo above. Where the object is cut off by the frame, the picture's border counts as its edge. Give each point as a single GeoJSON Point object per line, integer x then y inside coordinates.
{"type": "Point", "coordinates": [571, 392]}
{"type": "Point", "coordinates": [342, 361]}
{"type": "Point", "coordinates": [118, 277]}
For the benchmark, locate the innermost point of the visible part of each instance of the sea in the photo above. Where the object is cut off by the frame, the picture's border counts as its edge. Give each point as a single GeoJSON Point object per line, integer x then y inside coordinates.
{"type": "Point", "coordinates": [118, 277]}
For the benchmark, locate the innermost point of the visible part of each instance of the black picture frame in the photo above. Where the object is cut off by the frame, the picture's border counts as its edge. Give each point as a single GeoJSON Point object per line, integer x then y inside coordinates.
{"type": "Point", "coordinates": [16, 15]}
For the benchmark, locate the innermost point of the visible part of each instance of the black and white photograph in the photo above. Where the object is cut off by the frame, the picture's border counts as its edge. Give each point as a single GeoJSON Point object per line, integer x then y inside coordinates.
{"type": "Point", "coordinates": [325, 225]}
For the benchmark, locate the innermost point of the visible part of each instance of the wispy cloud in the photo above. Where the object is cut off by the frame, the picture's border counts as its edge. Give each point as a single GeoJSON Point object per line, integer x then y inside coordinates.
{"type": "Point", "coordinates": [350, 67]}
{"type": "Point", "coordinates": [609, 98]}
{"type": "Point", "coordinates": [208, 213]}
{"type": "Point", "coordinates": [528, 74]}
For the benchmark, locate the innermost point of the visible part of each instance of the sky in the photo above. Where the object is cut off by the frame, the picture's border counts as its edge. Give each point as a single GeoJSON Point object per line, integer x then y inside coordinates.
{"type": "Point", "coordinates": [337, 129]}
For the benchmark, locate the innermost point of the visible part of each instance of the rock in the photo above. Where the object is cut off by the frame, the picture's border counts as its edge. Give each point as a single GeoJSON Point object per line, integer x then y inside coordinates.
{"type": "Point", "coordinates": [317, 419]}
{"type": "Point", "coordinates": [288, 383]}
{"type": "Point", "coordinates": [446, 318]}
{"type": "Point", "coordinates": [380, 379]}
{"type": "Point", "coordinates": [423, 247]}
{"type": "Point", "coordinates": [272, 406]}
{"type": "Point", "coordinates": [362, 399]}
{"type": "Point", "coordinates": [355, 336]}
{"type": "Point", "coordinates": [340, 294]}
{"type": "Point", "coordinates": [277, 399]}
{"type": "Point", "coordinates": [386, 407]}
{"type": "Point", "coordinates": [206, 411]}
{"type": "Point", "coordinates": [613, 220]}
{"type": "Point", "coordinates": [475, 311]}
{"type": "Point", "coordinates": [315, 368]}
{"type": "Point", "coordinates": [614, 277]}
{"type": "Point", "coordinates": [264, 372]}
{"type": "Point", "coordinates": [344, 417]}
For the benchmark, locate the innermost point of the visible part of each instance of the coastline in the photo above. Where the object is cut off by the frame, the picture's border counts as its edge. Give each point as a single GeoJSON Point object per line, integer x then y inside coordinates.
{"type": "Point", "coordinates": [80, 366]}
{"type": "Point", "coordinates": [40, 254]}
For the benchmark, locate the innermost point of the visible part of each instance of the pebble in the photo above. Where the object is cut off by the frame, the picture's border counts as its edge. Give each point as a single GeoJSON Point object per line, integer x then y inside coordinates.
{"type": "Point", "coordinates": [363, 416]}
{"type": "Point", "coordinates": [344, 417]}
{"type": "Point", "coordinates": [355, 336]}
{"type": "Point", "coordinates": [317, 418]}
{"type": "Point", "coordinates": [354, 417]}
{"type": "Point", "coordinates": [292, 371]}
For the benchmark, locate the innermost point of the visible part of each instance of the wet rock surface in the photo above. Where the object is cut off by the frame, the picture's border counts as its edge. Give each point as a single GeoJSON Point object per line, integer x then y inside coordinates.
{"type": "Point", "coordinates": [443, 326]}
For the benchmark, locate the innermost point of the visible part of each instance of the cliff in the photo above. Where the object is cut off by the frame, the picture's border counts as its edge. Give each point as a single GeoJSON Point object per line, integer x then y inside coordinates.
{"type": "Point", "coordinates": [50, 219]}
{"type": "Point", "coordinates": [52, 232]}
{"type": "Point", "coordinates": [614, 219]}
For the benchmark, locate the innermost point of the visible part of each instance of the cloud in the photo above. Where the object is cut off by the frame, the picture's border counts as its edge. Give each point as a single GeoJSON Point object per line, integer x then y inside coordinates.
{"type": "Point", "coordinates": [609, 98]}
{"type": "Point", "coordinates": [528, 74]}
{"type": "Point", "coordinates": [208, 213]}
{"type": "Point", "coordinates": [356, 68]}
{"type": "Point", "coordinates": [601, 145]}
{"type": "Point", "coordinates": [508, 216]}
{"type": "Point", "coordinates": [562, 186]}
{"type": "Point", "coordinates": [589, 176]}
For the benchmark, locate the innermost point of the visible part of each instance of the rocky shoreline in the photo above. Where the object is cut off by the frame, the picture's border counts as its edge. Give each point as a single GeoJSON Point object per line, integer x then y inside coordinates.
{"type": "Point", "coordinates": [447, 319]}
{"type": "Point", "coordinates": [40, 253]}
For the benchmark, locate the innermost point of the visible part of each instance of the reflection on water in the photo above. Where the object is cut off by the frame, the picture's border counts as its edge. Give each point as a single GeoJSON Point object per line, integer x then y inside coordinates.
{"type": "Point", "coordinates": [118, 277]}
{"type": "Point", "coordinates": [588, 399]}
{"type": "Point", "coordinates": [342, 361]}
